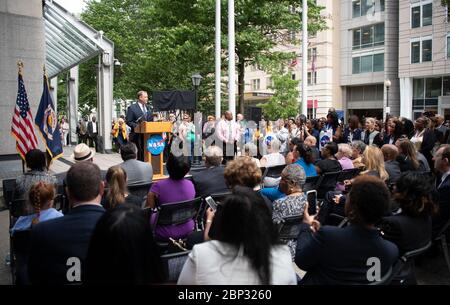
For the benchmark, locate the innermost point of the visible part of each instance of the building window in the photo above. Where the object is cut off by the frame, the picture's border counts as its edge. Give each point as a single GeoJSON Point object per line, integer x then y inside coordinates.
{"type": "Point", "coordinates": [421, 13]}
{"type": "Point", "coordinates": [293, 76]}
{"type": "Point", "coordinates": [448, 46]}
{"type": "Point", "coordinates": [256, 83]}
{"type": "Point", "coordinates": [421, 50]}
{"type": "Point", "coordinates": [364, 7]}
{"type": "Point", "coordinates": [368, 36]}
{"type": "Point", "coordinates": [312, 80]}
{"type": "Point", "coordinates": [368, 63]}
{"type": "Point", "coordinates": [426, 92]}
{"type": "Point", "coordinates": [311, 52]}
{"type": "Point", "coordinates": [269, 82]}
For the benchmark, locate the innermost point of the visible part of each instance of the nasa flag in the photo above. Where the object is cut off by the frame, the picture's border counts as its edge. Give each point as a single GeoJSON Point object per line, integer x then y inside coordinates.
{"type": "Point", "coordinates": [47, 121]}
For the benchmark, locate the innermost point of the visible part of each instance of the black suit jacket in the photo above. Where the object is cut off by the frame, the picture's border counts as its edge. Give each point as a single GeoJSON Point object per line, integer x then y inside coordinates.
{"type": "Point", "coordinates": [443, 196]}
{"type": "Point", "coordinates": [340, 255]}
{"type": "Point", "coordinates": [90, 128]}
{"type": "Point", "coordinates": [407, 232]}
{"type": "Point", "coordinates": [54, 241]}
{"type": "Point", "coordinates": [209, 181]}
{"type": "Point", "coordinates": [134, 112]}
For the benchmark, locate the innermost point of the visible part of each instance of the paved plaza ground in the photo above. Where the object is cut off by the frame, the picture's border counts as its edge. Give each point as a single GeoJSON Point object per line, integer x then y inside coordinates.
{"type": "Point", "coordinates": [432, 271]}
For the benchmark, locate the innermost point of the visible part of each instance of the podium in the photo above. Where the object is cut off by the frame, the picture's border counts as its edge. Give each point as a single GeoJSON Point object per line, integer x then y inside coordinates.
{"type": "Point", "coordinates": [154, 144]}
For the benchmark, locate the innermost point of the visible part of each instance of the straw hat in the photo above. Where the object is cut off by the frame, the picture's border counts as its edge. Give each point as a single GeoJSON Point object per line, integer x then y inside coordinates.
{"type": "Point", "coordinates": [82, 152]}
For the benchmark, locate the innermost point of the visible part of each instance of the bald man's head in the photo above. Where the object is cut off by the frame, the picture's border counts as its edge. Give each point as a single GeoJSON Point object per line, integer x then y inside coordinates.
{"type": "Point", "coordinates": [390, 152]}
{"type": "Point", "coordinates": [228, 115]}
{"type": "Point", "coordinates": [311, 141]}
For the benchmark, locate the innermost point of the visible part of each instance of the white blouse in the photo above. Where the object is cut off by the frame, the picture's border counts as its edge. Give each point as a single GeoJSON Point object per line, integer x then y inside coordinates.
{"type": "Point", "coordinates": [216, 263]}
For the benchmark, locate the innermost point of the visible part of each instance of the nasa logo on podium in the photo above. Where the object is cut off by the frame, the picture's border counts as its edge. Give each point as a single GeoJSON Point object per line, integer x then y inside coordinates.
{"type": "Point", "coordinates": [156, 144]}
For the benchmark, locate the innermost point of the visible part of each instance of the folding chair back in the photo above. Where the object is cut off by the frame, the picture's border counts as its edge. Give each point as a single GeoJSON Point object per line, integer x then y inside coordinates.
{"type": "Point", "coordinates": [289, 228]}
{"type": "Point", "coordinates": [178, 212]}
{"type": "Point", "coordinates": [348, 174]}
{"type": "Point", "coordinates": [140, 190]}
{"type": "Point", "coordinates": [20, 243]}
{"type": "Point", "coordinates": [8, 186]}
{"type": "Point", "coordinates": [310, 183]}
{"type": "Point", "coordinates": [327, 182]}
{"type": "Point", "coordinates": [441, 238]}
{"type": "Point", "coordinates": [274, 171]}
{"type": "Point", "coordinates": [173, 264]}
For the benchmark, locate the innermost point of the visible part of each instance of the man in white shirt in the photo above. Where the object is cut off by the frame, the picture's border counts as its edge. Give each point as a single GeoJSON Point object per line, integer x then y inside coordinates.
{"type": "Point", "coordinates": [228, 132]}
{"type": "Point", "coordinates": [93, 133]}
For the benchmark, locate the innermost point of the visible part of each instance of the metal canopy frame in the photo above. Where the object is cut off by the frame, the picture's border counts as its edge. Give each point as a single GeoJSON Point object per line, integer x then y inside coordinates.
{"type": "Point", "coordinates": [70, 42]}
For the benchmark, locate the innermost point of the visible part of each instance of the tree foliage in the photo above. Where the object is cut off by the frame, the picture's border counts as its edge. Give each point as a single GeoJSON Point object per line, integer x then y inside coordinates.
{"type": "Point", "coordinates": [284, 102]}
{"type": "Point", "coordinates": [162, 43]}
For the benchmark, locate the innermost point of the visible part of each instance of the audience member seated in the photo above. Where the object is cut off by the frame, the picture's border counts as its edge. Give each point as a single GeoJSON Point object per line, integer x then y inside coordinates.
{"type": "Point", "coordinates": [170, 190]}
{"type": "Point", "coordinates": [250, 150]}
{"type": "Point", "coordinates": [442, 165]}
{"type": "Point", "coordinates": [390, 153]}
{"type": "Point", "coordinates": [333, 255]}
{"type": "Point", "coordinates": [292, 180]}
{"type": "Point", "coordinates": [358, 148]}
{"type": "Point", "coordinates": [334, 201]}
{"type": "Point", "coordinates": [243, 171]}
{"type": "Point", "coordinates": [54, 243]}
{"type": "Point", "coordinates": [311, 141]}
{"type": "Point", "coordinates": [273, 158]}
{"type": "Point", "coordinates": [246, 249]}
{"type": "Point", "coordinates": [122, 250]}
{"type": "Point", "coordinates": [290, 155]}
{"type": "Point", "coordinates": [37, 165]}
{"type": "Point", "coordinates": [304, 155]}
{"type": "Point", "coordinates": [409, 158]}
{"type": "Point", "coordinates": [40, 198]}
{"type": "Point", "coordinates": [210, 180]}
{"type": "Point", "coordinates": [411, 228]}
{"type": "Point", "coordinates": [343, 156]}
{"type": "Point", "coordinates": [138, 172]}
{"type": "Point", "coordinates": [329, 162]}
{"type": "Point", "coordinates": [117, 192]}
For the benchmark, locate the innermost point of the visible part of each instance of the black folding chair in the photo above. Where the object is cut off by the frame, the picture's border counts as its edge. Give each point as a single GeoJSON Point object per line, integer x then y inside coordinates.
{"type": "Point", "coordinates": [173, 265]}
{"type": "Point", "coordinates": [441, 238]}
{"type": "Point", "coordinates": [348, 174]}
{"type": "Point", "coordinates": [19, 251]}
{"type": "Point", "coordinates": [140, 190]}
{"type": "Point", "coordinates": [327, 182]}
{"type": "Point", "coordinates": [289, 228]}
{"type": "Point", "coordinates": [274, 171]}
{"type": "Point", "coordinates": [310, 183]}
{"type": "Point", "coordinates": [403, 272]}
{"type": "Point", "coordinates": [176, 213]}
{"type": "Point", "coordinates": [8, 186]}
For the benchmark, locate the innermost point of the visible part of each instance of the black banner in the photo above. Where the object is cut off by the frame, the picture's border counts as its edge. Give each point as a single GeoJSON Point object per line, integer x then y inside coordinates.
{"type": "Point", "coordinates": [172, 100]}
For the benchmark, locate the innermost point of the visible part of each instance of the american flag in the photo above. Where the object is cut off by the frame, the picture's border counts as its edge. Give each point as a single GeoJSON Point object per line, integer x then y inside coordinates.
{"type": "Point", "coordinates": [22, 123]}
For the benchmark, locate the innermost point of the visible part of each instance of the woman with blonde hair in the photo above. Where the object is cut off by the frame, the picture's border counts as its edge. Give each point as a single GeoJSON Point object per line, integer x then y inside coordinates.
{"type": "Point", "coordinates": [371, 135]}
{"type": "Point", "coordinates": [119, 133]}
{"type": "Point", "coordinates": [117, 192]}
{"type": "Point", "coordinates": [373, 160]}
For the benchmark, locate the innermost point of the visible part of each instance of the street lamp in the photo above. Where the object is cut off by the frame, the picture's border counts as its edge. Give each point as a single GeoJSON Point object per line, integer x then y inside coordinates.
{"type": "Point", "coordinates": [387, 84]}
{"type": "Point", "coordinates": [196, 160]}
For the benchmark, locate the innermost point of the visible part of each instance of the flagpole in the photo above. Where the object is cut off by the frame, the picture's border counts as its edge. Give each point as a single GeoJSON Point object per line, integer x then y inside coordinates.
{"type": "Point", "coordinates": [218, 61]}
{"type": "Point", "coordinates": [231, 61]}
{"type": "Point", "coordinates": [304, 108]}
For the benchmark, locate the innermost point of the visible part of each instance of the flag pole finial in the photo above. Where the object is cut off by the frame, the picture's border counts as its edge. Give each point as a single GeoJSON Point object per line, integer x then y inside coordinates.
{"type": "Point", "coordinates": [20, 66]}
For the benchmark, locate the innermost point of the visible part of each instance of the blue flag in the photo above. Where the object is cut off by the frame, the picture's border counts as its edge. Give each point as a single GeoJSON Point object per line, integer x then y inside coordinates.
{"type": "Point", "coordinates": [47, 121]}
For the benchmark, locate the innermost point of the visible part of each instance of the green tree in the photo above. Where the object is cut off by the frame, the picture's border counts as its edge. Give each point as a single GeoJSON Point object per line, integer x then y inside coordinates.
{"type": "Point", "coordinates": [161, 43]}
{"type": "Point", "coordinates": [284, 102]}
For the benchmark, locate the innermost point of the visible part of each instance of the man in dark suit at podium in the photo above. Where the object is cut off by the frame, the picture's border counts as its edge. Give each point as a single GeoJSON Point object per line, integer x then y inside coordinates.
{"type": "Point", "coordinates": [136, 113]}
